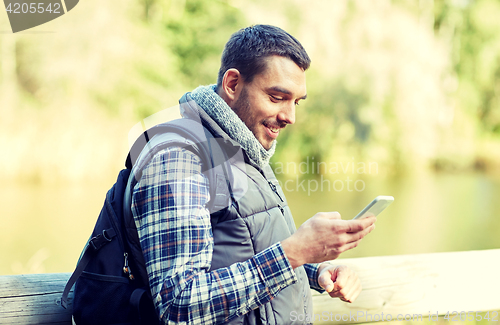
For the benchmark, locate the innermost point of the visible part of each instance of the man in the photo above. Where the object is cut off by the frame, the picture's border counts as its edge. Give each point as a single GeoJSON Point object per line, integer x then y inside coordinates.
{"type": "Point", "coordinates": [253, 267]}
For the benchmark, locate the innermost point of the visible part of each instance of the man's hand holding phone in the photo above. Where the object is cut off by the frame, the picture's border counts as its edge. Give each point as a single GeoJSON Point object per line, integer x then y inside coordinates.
{"type": "Point", "coordinates": [324, 237]}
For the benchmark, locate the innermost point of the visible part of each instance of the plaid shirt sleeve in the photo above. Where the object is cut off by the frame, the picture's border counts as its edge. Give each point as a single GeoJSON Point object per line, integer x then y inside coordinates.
{"type": "Point", "coordinates": [168, 205]}
{"type": "Point", "coordinates": [312, 275]}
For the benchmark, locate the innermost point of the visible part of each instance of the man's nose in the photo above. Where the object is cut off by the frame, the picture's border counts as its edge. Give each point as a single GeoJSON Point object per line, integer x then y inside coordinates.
{"type": "Point", "coordinates": [287, 113]}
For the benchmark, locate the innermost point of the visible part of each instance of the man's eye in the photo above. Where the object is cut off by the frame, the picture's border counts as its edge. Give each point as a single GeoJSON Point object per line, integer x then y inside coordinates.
{"type": "Point", "coordinates": [276, 99]}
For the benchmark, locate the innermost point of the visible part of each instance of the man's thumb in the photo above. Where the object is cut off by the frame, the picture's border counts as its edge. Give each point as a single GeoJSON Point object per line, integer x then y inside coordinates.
{"type": "Point", "coordinates": [326, 282]}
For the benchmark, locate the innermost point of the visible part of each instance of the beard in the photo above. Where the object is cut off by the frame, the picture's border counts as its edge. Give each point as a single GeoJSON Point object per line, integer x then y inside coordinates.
{"type": "Point", "coordinates": [255, 123]}
{"type": "Point", "coordinates": [242, 108]}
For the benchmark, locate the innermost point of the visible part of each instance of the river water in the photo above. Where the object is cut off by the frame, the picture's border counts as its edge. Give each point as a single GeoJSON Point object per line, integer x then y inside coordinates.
{"type": "Point", "coordinates": [44, 228]}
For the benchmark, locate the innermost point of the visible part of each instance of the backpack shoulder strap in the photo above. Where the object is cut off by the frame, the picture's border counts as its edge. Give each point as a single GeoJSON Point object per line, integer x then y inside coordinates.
{"type": "Point", "coordinates": [192, 136]}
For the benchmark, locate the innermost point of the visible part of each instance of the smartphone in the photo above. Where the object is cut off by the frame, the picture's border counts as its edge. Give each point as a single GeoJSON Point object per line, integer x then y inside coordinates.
{"type": "Point", "coordinates": [375, 207]}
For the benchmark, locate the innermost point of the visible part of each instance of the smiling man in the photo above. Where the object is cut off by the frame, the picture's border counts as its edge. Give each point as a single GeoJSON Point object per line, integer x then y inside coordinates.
{"type": "Point", "coordinates": [252, 266]}
{"type": "Point", "coordinates": [267, 103]}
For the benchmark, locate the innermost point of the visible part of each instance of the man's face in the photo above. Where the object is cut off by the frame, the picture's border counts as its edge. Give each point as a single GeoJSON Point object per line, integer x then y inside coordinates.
{"type": "Point", "coordinates": [267, 103]}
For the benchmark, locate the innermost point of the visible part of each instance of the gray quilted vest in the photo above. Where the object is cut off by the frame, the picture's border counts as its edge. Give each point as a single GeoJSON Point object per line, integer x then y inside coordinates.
{"type": "Point", "coordinates": [257, 217]}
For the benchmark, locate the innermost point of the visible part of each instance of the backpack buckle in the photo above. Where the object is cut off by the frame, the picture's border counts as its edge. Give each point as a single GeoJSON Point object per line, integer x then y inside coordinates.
{"type": "Point", "coordinates": [105, 236]}
{"type": "Point", "coordinates": [102, 239]}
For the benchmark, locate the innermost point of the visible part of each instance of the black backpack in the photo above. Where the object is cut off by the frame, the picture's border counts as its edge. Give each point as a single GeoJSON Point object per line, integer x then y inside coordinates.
{"type": "Point", "coordinates": [111, 278]}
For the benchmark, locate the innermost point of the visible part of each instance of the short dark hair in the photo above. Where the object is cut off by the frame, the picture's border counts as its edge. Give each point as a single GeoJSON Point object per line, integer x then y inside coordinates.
{"type": "Point", "coordinates": [248, 48]}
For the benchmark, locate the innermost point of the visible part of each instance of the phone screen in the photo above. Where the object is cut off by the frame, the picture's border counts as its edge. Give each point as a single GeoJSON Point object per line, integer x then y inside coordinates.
{"type": "Point", "coordinates": [375, 207]}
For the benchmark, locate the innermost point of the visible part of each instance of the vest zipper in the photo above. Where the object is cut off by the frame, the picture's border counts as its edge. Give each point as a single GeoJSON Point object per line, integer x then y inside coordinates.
{"type": "Point", "coordinates": [273, 187]}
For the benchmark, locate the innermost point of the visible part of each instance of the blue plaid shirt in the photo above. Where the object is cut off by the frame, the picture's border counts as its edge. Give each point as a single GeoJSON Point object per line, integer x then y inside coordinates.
{"type": "Point", "coordinates": [174, 228]}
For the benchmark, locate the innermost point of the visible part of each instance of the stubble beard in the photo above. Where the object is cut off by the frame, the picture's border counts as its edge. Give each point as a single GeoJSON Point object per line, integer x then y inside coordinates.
{"type": "Point", "coordinates": [242, 108]}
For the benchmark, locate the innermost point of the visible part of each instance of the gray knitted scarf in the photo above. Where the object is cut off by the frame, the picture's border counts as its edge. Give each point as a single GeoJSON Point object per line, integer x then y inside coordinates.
{"type": "Point", "coordinates": [207, 98]}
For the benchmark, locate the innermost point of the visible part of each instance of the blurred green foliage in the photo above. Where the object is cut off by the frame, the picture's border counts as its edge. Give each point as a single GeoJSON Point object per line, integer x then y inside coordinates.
{"type": "Point", "coordinates": [475, 38]}
{"type": "Point", "coordinates": [195, 32]}
{"type": "Point", "coordinates": [409, 84]}
{"type": "Point", "coordinates": [418, 86]}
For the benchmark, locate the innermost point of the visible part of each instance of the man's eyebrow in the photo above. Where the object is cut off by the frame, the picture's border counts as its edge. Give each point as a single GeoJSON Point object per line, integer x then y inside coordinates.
{"type": "Point", "coordinates": [284, 91]}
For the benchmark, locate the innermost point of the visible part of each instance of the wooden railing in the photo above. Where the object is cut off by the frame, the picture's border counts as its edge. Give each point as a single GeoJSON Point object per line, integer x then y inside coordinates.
{"type": "Point", "coordinates": [404, 287]}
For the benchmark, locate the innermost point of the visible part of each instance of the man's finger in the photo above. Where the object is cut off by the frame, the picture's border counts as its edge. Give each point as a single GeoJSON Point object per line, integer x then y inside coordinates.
{"type": "Point", "coordinates": [341, 277]}
{"type": "Point", "coordinates": [354, 237]}
{"type": "Point", "coordinates": [326, 282]}
{"type": "Point", "coordinates": [354, 287]}
{"type": "Point", "coordinates": [353, 293]}
{"type": "Point", "coordinates": [354, 226]}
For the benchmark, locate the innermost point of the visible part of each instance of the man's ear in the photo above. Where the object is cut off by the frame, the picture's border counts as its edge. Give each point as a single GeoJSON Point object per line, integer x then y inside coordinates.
{"type": "Point", "coordinates": [231, 84]}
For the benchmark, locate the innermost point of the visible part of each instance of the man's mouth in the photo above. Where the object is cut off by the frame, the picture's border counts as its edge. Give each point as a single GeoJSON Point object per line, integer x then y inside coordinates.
{"type": "Point", "coordinates": [272, 131]}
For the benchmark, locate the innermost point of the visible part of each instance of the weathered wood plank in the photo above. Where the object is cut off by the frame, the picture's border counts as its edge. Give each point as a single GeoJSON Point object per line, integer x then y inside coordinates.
{"type": "Point", "coordinates": [418, 284]}
{"type": "Point", "coordinates": [32, 299]}
{"type": "Point", "coordinates": [31, 284]}
{"type": "Point", "coordinates": [392, 285]}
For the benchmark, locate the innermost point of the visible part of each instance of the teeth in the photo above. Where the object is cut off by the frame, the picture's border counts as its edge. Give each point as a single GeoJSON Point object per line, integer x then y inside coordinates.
{"type": "Point", "coordinates": [274, 130]}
